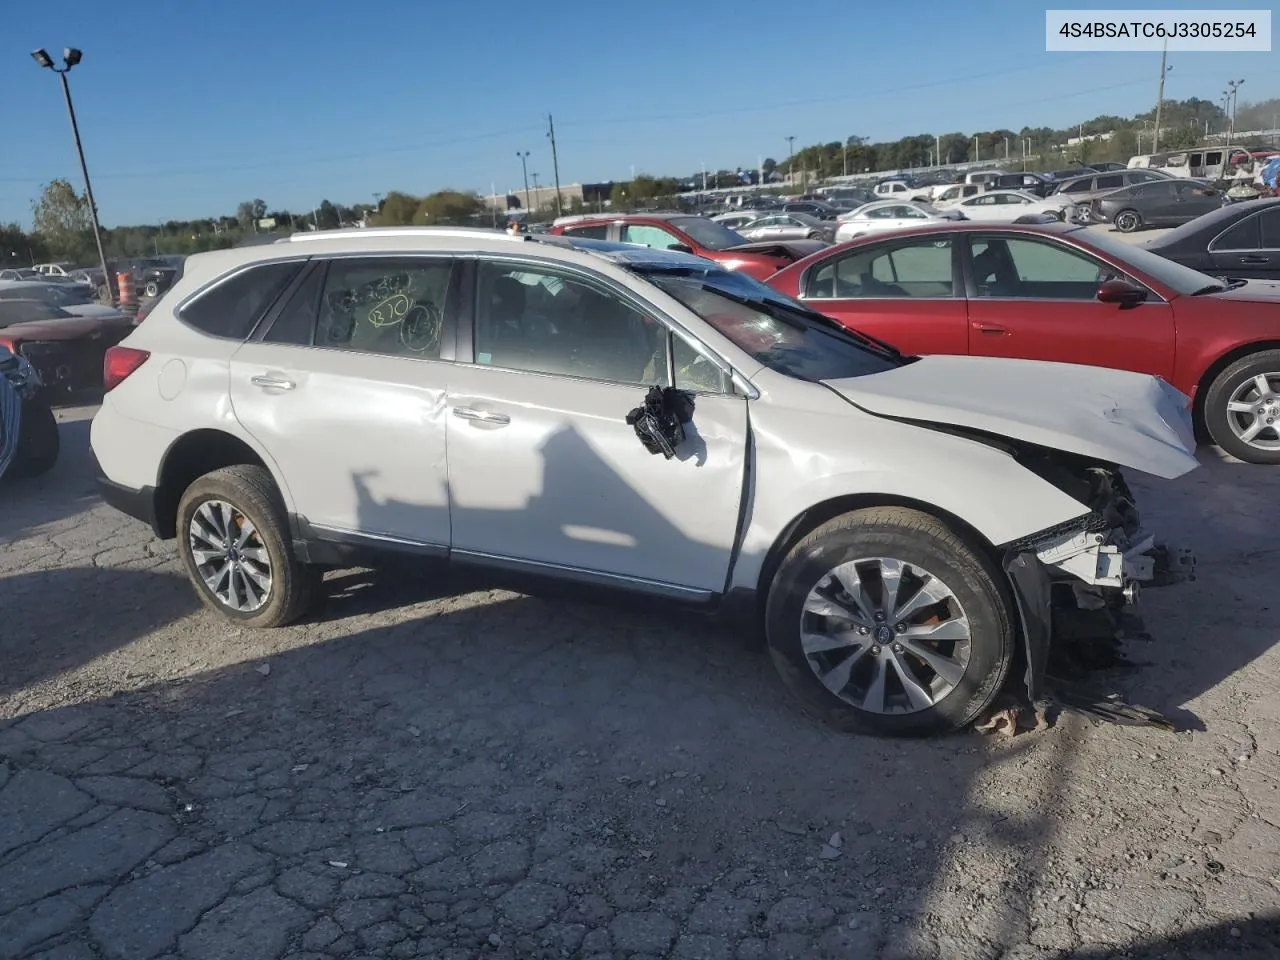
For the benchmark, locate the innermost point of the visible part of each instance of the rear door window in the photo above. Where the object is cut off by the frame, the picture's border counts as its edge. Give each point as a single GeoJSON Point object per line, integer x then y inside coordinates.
{"type": "Point", "coordinates": [231, 308]}
{"type": "Point", "coordinates": [1244, 235]}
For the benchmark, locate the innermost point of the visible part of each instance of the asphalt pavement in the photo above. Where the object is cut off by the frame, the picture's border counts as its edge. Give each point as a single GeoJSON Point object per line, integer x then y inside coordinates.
{"type": "Point", "coordinates": [433, 767]}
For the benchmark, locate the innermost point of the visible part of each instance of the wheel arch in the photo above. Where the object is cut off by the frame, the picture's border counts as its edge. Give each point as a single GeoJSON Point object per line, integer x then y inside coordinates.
{"type": "Point", "coordinates": [190, 457]}
{"type": "Point", "coordinates": [1214, 369]}
{"type": "Point", "coordinates": [819, 513]}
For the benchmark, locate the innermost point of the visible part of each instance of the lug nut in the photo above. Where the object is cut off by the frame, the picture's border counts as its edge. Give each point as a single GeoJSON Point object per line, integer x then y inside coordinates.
{"type": "Point", "coordinates": [864, 630]}
{"type": "Point", "coordinates": [875, 651]}
{"type": "Point", "coordinates": [901, 628]}
{"type": "Point", "coordinates": [897, 648]}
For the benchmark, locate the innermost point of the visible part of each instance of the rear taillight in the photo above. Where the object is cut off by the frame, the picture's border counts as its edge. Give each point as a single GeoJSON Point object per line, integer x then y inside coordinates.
{"type": "Point", "coordinates": [118, 363]}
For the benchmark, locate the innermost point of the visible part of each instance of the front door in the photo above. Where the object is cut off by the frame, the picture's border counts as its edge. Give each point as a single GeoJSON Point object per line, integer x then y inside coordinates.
{"type": "Point", "coordinates": [544, 469]}
{"type": "Point", "coordinates": [346, 390]}
{"type": "Point", "coordinates": [902, 291]}
{"type": "Point", "coordinates": [1249, 249]}
{"type": "Point", "coordinates": [1036, 299]}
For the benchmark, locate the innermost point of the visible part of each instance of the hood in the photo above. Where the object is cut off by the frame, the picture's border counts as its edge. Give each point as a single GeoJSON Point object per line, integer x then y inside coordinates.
{"type": "Point", "coordinates": [1267, 291]}
{"type": "Point", "coordinates": [1130, 419]}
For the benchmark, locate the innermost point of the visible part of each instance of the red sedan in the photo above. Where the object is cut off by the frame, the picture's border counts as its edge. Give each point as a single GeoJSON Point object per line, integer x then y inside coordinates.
{"type": "Point", "coordinates": [690, 234]}
{"type": "Point", "coordinates": [1057, 292]}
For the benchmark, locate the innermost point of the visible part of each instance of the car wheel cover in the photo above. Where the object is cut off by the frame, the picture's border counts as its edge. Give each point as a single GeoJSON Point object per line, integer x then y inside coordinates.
{"type": "Point", "coordinates": [1253, 411]}
{"type": "Point", "coordinates": [885, 636]}
{"type": "Point", "coordinates": [1127, 221]}
{"type": "Point", "coordinates": [230, 556]}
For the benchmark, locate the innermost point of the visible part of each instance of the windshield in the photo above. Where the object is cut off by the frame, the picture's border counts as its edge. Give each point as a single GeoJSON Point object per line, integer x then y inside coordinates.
{"type": "Point", "coordinates": [708, 234]}
{"type": "Point", "coordinates": [777, 331]}
{"type": "Point", "coordinates": [1183, 280]}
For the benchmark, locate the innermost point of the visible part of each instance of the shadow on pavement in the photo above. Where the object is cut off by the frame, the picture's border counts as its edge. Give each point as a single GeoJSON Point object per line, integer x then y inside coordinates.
{"type": "Point", "coordinates": [65, 491]}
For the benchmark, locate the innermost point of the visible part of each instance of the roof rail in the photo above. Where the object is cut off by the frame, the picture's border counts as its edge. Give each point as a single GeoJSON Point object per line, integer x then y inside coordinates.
{"type": "Point", "coordinates": [483, 233]}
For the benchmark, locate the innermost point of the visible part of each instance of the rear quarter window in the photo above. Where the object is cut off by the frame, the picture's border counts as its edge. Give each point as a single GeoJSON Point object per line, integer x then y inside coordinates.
{"type": "Point", "coordinates": [232, 307]}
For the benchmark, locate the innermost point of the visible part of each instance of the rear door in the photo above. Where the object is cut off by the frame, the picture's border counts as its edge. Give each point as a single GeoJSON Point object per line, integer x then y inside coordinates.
{"type": "Point", "coordinates": [1250, 248]}
{"type": "Point", "coordinates": [901, 291]}
{"type": "Point", "coordinates": [345, 389]}
{"type": "Point", "coordinates": [1034, 298]}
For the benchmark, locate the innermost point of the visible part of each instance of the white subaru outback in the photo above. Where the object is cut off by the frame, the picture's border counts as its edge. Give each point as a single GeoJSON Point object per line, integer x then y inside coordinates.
{"type": "Point", "coordinates": [905, 529]}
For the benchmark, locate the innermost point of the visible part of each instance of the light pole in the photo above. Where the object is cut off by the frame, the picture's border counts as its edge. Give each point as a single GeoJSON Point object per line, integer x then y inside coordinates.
{"type": "Point", "coordinates": [1233, 91]}
{"type": "Point", "coordinates": [70, 57]}
{"type": "Point", "coordinates": [524, 166]}
{"type": "Point", "coordinates": [535, 191]}
{"type": "Point", "coordinates": [791, 159]}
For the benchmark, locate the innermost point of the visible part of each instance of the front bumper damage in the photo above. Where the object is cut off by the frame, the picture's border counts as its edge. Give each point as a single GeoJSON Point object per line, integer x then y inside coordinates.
{"type": "Point", "coordinates": [1078, 590]}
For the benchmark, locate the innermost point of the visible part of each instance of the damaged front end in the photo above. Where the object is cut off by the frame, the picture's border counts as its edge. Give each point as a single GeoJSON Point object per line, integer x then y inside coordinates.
{"type": "Point", "coordinates": [1078, 585]}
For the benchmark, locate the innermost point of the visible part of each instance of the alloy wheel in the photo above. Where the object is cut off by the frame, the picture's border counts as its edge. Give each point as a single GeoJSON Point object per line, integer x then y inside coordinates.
{"type": "Point", "coordinates": [230, 556]}
{"type": "Point", "coordinates": [885, 636]}
{"type": "Point", "coordinates": [1126, 222]}
{"type": "Point", "coordinates": [1253, 411]}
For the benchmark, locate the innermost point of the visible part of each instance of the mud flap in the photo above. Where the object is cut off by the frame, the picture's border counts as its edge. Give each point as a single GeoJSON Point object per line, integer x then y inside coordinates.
{"type": "Point", "coordinates": [1032, 593]}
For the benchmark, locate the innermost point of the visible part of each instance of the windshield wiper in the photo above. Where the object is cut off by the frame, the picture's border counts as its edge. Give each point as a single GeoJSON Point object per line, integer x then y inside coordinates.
{"type": "Point", "coordinates": [1211, 288]}
{"type": "Point", "coordinates": [811, 316]}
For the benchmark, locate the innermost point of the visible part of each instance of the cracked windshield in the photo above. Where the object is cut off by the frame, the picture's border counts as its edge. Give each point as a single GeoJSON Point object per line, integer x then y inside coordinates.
{"type": "Point", "coordinates": [578, 482]}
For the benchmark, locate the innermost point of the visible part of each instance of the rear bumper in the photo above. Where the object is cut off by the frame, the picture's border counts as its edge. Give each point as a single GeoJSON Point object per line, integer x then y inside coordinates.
{"type": "Point", "coordinates": [139, 504]}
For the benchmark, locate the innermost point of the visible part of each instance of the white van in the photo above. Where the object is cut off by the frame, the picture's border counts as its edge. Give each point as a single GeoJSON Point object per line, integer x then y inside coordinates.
{"type": "Point", "coordinates": [1202, 163]}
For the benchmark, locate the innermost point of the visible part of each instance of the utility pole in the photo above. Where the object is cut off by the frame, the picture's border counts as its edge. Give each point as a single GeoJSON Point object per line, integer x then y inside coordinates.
{"type": "Point", "coordinates": [976, 154]}
{"type": "Point", "coordinates": [1164, 54]}
{"type": "Point", "coordinates": [1006, 149]}
{"type": "Point", "coordinates": [524, 166]}
{"type": "Point", "coordinates": [555, 163]}
{"type": "Point", "coordinates": [535, 192]}
{"type": "Point", "coordinates": [844, 155]}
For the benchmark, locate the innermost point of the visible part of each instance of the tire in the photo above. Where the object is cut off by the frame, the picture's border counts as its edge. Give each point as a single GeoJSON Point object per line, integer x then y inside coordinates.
{"type": "Point", "coordinates": [1058, 215]}
{"type": "Point", "coordinates": [152, 289]}
{"type": "Point", "coordinates": [250, 494]}
{"type": "Point", "coordinates": [1127, 221]}
{"type": "Point", "coordinates": [1239, 383]}
{"type": "Point", "coordinates": [916, 541]}
{"type": "Point", "coordinates": [39, 442]}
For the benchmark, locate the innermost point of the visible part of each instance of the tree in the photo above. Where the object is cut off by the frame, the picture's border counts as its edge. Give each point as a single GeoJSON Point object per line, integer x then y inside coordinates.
{"type": "Point", "coordinates": [61, 217]}
{"type": "Point", "coordinates": [448, 207]}
{"type": "Point", "coordinates": [18, 248]}
{"type": "Point", "coordinates": [397, 210]}
{"type": "Point", "coordinates": [769, 166]}
{"type": "Point", "coordinates": [327, 217]}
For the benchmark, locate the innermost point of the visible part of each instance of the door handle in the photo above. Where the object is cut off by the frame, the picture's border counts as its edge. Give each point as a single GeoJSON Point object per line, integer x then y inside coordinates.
{"type": "Point", "coordinates": [483, 416]}
{"type": "Point", "coordinates": [988, 328]}
{"type": "Point", "coordinates": [1255, 259]}
{"type": "Point", "coordinates": [272, 383]}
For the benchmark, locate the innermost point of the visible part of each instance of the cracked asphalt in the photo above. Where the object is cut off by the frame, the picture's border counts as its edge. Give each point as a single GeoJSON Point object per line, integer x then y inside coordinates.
{"type": "Point", "coordinates": [436, 768]}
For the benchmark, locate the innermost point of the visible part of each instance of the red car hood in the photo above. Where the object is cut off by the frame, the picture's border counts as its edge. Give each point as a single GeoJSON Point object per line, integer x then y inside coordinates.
{"type": "Point", "coordinates": [61, 328]}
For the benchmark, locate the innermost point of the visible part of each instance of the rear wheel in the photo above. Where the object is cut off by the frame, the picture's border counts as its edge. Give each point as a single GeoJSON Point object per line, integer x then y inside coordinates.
{"type": "Point", "coordinates": [1242, 408]}
{"type": "Point", "coordinates": [883, 621]}
{"type": "Point", "coordinates": [235, 545]}
{"type": "Point", "coordinates": [152, 289]}
{"type": "Point", "coordinates": [1127, 221]}
{"type": "Point", "coordinates": [38, 442]}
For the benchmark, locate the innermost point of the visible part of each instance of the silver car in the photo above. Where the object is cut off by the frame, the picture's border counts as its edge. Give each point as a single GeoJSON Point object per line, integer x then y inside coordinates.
{"type": "Point", "coordinates": [789, 226]}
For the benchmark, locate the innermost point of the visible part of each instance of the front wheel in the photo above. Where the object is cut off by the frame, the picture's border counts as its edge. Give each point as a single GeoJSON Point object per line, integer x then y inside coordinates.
{"type": "Point", "coordinates": [1127, 221]}
{"type": "Point", "coordinates": [235, 545]}
{"type": "Point", "coordinates": [152, 289]}
{"type": "Point", "coordinates": [1242, 408]}
{"type": "Point", "coordinates": [883, 621]}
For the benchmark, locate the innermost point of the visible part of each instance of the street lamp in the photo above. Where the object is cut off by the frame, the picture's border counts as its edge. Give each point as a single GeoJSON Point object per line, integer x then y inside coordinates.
{"type": "Point", "coordinates": [524, 165]}
{"type": "Point", "coordinates": [791, 159]}
{"type": "Point", "coordinates": [70, 57]}
{"type": "Point", "coordinates": [1233, 91]}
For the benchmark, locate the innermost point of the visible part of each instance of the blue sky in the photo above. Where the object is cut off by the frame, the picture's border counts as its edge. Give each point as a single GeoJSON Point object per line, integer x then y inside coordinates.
{"type": "Point", "coordinates": [187, 109]}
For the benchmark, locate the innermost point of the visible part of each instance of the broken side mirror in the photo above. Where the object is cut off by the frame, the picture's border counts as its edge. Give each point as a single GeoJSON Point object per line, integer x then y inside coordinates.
{"type": "Point", "coordinates": [1122, 292]}
{"type": "Point", "coordinates": [659, 421]}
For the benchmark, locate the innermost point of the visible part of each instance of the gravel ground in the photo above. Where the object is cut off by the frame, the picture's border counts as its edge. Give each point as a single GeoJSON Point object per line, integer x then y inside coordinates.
{"type": "Point", "coordinates": [436, 769]}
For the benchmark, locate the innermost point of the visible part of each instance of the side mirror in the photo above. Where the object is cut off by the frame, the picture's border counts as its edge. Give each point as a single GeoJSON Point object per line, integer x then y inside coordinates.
{"type": "Point", "coordinates": [1121, 292]}
{"type": "Point", "coordinates": [681, 248]}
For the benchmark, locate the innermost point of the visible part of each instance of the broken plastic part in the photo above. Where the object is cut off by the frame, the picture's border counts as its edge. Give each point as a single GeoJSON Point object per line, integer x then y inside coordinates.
{"type": "Point", "coordinates": [659, 421]}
